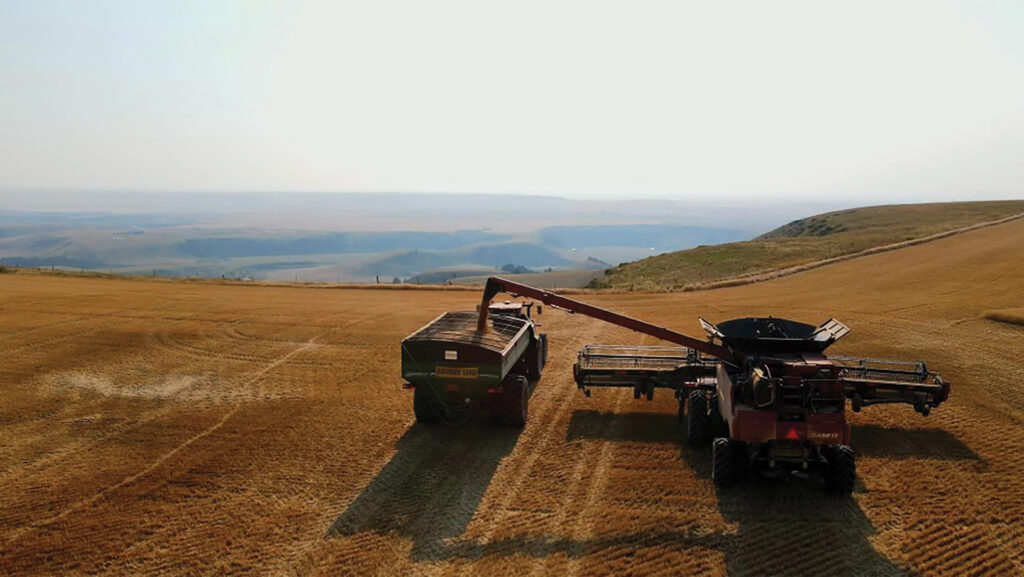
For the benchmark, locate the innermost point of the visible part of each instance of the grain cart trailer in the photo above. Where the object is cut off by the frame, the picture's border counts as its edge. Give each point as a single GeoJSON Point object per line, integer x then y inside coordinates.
{"type": "Point", "coordinates": [455, 369]}
{"type": "Point", "coordinates": [777, 404]}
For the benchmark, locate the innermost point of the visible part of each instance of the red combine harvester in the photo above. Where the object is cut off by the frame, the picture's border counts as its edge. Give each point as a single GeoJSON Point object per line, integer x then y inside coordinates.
{"type": "Point", "coordinates": [764, 396]}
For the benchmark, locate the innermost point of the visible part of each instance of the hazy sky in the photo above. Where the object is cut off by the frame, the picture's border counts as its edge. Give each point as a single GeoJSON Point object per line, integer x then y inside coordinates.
{"type": "Point", "coordinates": [887, 101]}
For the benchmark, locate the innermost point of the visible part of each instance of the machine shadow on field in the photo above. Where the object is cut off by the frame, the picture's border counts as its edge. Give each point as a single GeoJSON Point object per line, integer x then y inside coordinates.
{"type": "Point", "coordinates": [784, 527]}
{"type": "Point", "coordinates": [430, 489]}
{"type": "Point", "coordinates": [900, 443]}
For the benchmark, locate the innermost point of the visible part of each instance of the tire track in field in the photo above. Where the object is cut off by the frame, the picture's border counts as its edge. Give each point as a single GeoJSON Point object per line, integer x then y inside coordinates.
{"type": "Point", "coordinates": [532, 450]}
{"type": "Point", "coordinates": [253, 379]}
{"type": "Point", "coordinates": [59, 455]}
{"type": "Point", "coordinates": [215, 513]}
{"type": "Point", "coordinates": [585, 488]}
{"type": "Point", "coordinates": [193, 316]}
{"type": "Point", "coordinates": [598, 480]}
{"type": "Point", "coordinates": [572, 525]}
{"type": "Point", "coordinates": [441, 514]}
{"type": "Point", "coordinates": [168, 342]}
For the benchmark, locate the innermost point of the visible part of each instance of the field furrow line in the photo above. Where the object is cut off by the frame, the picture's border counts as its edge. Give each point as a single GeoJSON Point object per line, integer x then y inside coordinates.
{"type": "Point", "coordinates": [537, 446]}
{"type": "Point", "coordinates": [17, 534]}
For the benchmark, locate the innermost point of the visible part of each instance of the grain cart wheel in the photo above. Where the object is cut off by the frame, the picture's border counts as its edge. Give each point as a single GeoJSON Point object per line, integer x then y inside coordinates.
{"type": "Point", "coordinates": [698, 426]}
{"type": "Point", "coordinates": [511, 406]}
{"type": "Point", "coordinates": [534, 359]}
{"type": "Point", "coordinates": [682, 410]}
{"type": "Point", "coordinates": [423, 406]}
{"type": "Point", "coordinates": [841, 473]}
{"type": "Point", "coordinates": [725, 462]}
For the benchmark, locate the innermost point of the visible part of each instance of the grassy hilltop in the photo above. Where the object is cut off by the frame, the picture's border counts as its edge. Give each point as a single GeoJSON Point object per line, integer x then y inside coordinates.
{"type": "Point", "coordinates": [801, 242]}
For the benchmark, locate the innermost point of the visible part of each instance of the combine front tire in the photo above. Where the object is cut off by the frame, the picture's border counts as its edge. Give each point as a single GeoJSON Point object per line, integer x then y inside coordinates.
{"type": "Point", "coordinates": [423, 406]}
{"type": "Point", "coordinates": [511, 407]}
{"type": "Point", "coordinates": [726, 462]}
{"type": "Point", "coordinates": [699, 425]}
{"type": "Point", "coordinates": [841, 473]}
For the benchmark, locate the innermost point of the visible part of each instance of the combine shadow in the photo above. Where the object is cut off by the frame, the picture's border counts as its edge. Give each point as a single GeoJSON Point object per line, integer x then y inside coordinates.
{"type": "Point", "coordinates": [900, 443]}
{"type": "Point", "coordinates": [783, 527]}
{"type": "Point", "coordinates": [868, 440]}
{"type": "Point", "coordinates": [432, 487]}
{"type": "Point", "coordinates": [781, 531]}
{"type": "Point", "coordinates": [637, 427]}
{"type": "Point", "coordinates": [786, 528]}
{"type": "Point", "coordinates": [430, 490]}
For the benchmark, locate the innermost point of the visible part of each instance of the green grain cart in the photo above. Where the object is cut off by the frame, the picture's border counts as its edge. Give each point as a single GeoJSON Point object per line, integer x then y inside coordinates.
{"type": "Point", "coordinates": [454, 369]}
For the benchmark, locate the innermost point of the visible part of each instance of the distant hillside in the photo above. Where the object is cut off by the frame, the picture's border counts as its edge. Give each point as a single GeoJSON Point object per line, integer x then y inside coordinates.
{"type": "Point", "coordinates": [494, 255]}
{"type": "Point", "coordinates": [803, 241]}
{"type": "Point", "coordinates": [558, 279]}
{"type": "Point", "coordinates": [185, 245]}
{"type": "Point", "coordinates": [332, 243]}
{"type": "Point", "coordinates": [661, 237]}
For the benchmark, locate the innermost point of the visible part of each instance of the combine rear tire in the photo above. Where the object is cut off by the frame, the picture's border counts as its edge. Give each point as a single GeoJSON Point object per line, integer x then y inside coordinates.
{"type": "Point", "coordinates": [725, 462]}
{"type": "Point", "coordinates": [841, 473]}
{"type": "Point", "coordinates": [699, 425]}
{"type": "Point", "coordinates": [512, 405]}
{"type": "Point", "coordinates": [423, 406]}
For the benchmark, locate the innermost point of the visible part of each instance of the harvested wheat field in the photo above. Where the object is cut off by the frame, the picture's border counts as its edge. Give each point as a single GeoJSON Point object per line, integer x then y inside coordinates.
{"type": "Point", "coordinates": [175, 428]}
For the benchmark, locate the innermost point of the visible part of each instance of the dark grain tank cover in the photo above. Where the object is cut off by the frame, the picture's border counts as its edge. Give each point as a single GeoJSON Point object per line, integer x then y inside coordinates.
{"type": "Point", "coordinates": [773, 335]}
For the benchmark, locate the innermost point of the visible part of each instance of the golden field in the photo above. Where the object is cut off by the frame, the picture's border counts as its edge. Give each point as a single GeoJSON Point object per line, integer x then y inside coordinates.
{"type": "Point", "coordinates": [172, 428]}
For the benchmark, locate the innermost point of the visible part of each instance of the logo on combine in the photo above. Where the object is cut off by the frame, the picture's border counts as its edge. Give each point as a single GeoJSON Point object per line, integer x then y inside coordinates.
{"type": "Point", "coordinates": [815, 436]}
{"type": "Point", "coordinates": [457, 372]}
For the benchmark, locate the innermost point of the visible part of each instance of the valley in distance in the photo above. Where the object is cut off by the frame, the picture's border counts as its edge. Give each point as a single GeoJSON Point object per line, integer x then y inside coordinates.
{"type": "Point", "coordinates": [413, 238]}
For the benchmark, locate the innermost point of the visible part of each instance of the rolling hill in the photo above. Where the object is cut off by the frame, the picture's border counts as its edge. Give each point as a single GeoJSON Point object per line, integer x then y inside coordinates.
{"type": "Point", "coordinates": [826, 236]}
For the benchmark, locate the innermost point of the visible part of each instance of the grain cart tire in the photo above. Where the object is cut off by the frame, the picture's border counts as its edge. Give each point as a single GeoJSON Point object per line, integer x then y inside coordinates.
{"type": "Point", "coordinates": [698, 426]}
{"type": "Point", "coordinates": [842, 470]}
{"type": "Point", "coordinates": [542, 344]}
{"type": "Point", "coordinates": [534, 358]}
{"type": "Point", "coordinates": [682, 411]}
{"type": "Point", "coordinates": [725, 465]}
{"type": "Point", "coordinates": [512, 405]}
{"type": "Point", "coordinates": [423, 406]}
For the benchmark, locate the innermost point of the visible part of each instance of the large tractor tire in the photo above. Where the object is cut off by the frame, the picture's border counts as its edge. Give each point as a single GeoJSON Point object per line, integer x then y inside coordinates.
{"type": "Point", "coordinates": [699, 425]}
{"type": "Point", "coordinates": [511, 406]}
{"type": "Point", "coordinates": [536, 357]}
{"type": "Point", "coordinates": [423, 405]}
{"type": "Point", "coordinates": [728, 462]}
{"type": "Point", "coordinates": [841, 473]}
